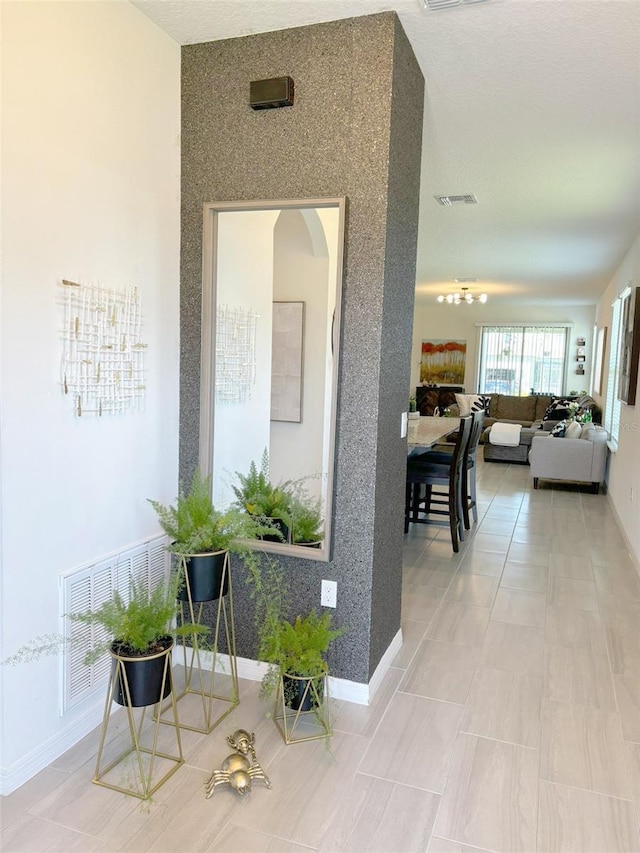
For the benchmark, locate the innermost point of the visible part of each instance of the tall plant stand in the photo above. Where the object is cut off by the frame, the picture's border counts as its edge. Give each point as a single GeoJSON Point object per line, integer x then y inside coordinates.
{"type": "Point", "coordinates": [302, 712]}
{"type": "Point", "coordinates": [217, 687]}
{"type": "Point", "coordinates": [140, 765]}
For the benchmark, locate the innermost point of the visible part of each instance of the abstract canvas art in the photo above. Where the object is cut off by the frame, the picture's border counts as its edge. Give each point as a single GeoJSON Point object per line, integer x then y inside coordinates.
{"type": "Point", "coordinates": [443, 362]}
{"type": "Point", "coordinates": [287, 361]}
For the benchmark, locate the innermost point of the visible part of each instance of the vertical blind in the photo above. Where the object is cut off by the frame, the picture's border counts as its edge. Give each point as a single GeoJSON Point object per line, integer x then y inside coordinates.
{"type": "Point", "coordinates": [520, 360]}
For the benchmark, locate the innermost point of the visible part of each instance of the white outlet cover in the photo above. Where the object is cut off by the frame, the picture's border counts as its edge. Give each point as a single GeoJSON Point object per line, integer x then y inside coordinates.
{"type": "Point", "coordinates": [403, 425]}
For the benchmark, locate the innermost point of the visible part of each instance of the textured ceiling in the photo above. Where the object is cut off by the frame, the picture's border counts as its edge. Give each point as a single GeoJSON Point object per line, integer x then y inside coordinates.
{"type": "Point", "coordinates": [532, 105]}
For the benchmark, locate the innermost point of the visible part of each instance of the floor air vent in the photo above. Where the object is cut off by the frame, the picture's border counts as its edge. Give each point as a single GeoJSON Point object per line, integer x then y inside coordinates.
{"type": "Point", "coordinates": [88, 588]}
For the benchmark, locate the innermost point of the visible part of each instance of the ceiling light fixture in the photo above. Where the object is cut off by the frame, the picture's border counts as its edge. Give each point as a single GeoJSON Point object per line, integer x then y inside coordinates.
{"type": "Point", "coordinates": [457, 298]}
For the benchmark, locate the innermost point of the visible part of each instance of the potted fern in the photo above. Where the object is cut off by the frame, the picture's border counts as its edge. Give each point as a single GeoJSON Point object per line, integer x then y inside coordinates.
{"type": "Point", "coordinates": [296, 652]}
{"type": "Point", "coordinates": [307, 523]}
{"type": "Point", "coordinates": [142, 635]}
{"type": "Point", "coordinates": [202, 536]}
{"type": "Point", "coordinates": [267, 504]}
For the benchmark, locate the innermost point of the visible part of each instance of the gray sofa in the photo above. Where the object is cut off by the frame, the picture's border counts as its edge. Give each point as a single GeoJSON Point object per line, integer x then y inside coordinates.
{"type": "Point", "coordinates": [581, 460]}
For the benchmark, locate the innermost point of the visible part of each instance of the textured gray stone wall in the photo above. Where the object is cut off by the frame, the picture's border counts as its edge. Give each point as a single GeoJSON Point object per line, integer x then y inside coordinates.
{"type": "Point", "coordinates": [354, 131]}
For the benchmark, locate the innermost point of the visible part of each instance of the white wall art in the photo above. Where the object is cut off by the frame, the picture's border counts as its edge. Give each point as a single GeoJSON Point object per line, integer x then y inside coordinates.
{"type": "Point", "coordinates": [235, 354]}
{"type": "Point", "coordinates": [103, 352]}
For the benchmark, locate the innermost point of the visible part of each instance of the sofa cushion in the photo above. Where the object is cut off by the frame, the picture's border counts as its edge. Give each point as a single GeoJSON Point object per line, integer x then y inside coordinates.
{"type": "Point", "coordinates": [469, 403]}
{"type": "Point", "coordinates": [505, 407]}
{"type": "Point", "coordinates": [560, 429]}
{"type": "Point", "coordinates": [573, 430]}
{"type": "Point", "coordinates": [559, 409]}
{"type": "Point", "coordinates": [543, 401]}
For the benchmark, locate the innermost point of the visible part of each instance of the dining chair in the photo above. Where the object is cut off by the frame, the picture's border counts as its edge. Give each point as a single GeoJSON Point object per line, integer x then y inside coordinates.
{"type": "Point", "coordinates": [442, 453]}
{"type": "Point", "coordinates": [422, 501]}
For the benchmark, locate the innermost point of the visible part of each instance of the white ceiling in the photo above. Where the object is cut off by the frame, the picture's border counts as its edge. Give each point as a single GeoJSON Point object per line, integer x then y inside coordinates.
{"type": "Point", "coordinates": [532, 105]}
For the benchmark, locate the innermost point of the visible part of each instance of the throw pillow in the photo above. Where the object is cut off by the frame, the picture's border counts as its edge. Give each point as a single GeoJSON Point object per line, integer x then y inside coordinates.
{"type": "Point", "coordinates": [559, 409]}
{"type": "Point", "coordinates": [574, 430]}
{"type": "Point", "coordinates": [560, 429]}
{"type": "Point", "coordinates": [468, 403]}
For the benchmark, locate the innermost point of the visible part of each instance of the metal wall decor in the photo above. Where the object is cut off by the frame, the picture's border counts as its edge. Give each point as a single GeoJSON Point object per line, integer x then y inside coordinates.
{"type": "Point", "coordinates": [235, 354]}
{"type": "Point", "coordinates": [103, 351]}
{"type": "Point", "coordinates": [240, 768]}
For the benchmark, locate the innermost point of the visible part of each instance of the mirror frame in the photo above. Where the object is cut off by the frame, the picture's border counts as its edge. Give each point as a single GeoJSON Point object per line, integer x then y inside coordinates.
{"type": "Point", "coordinates": [211, 210]}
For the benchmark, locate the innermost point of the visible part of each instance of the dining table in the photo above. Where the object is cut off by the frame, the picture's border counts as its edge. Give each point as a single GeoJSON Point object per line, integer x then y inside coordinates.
{"type": "Point", "coordinates": [425, 431]}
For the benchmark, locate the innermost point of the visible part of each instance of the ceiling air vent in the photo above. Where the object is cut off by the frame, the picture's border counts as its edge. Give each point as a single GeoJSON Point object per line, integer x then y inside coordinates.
{"type": "Point", "coordinates": [449, 200]}
{"type": "Point", "coordinates": [436, 5]}
{"type": "Point", "coordinates": [467, 280]}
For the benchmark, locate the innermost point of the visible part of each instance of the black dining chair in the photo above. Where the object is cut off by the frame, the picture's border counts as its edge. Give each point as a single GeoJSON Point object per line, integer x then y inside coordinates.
{"type": "Point", "coordinates": [442, 453]}
{"type": "Point", "coordinates": [422, 501]}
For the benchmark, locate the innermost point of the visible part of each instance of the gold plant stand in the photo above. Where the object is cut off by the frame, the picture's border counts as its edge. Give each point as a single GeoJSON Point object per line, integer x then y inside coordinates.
{"type": "Point", "coordinates": [216, 701]}
{"type": "Point", "coordinates": [142, 768]}
{"type": "Point", "coordinates": [299, 725]}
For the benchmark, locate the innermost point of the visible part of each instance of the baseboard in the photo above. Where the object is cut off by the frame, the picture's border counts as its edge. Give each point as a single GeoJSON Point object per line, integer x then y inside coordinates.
{"type": "Point", "coordinates": [635, 559]}
{"type": "Point", "coordinates": [339, 688]}
{"type": "Point", "coordinates": [33, 762]}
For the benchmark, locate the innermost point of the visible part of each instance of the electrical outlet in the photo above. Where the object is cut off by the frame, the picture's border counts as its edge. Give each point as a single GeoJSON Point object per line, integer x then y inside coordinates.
{"type": "Point", "coordinates": [329, 594]}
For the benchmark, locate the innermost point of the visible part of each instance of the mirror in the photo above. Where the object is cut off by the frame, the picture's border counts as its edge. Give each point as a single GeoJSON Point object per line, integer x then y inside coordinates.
{"type": "Point", "coordinates": [272, 284]}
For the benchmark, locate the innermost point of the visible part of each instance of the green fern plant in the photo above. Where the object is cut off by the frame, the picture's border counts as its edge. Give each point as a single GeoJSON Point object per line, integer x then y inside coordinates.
{"type": "Point", "coordinates": [259, 498]}
{"type": "Point", "coordinates": [297, 648]}
{"type": "Point", "coordinates": [307, 524]}
{"type": "Point", "coordinates": [195, 526]}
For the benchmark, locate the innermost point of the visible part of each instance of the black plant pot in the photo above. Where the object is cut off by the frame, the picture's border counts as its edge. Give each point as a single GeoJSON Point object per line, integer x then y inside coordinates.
{"type": "Point", "coordinates": [277, 524]}
{"type": "Point", "coordinates": [144, 675]}
{"type": "Point", "coordinates": [294, 692]}
{"type": "Point", "coordinates": [204, 573]}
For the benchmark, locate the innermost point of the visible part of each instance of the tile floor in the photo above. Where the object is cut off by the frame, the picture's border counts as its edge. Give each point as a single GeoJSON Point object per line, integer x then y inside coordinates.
{"type": "Point", "coordinates": [509, 721]}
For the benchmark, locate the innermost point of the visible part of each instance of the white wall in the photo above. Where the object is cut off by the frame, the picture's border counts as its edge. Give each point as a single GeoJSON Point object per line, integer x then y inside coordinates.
{"type": "Point", "coordinates": [433, 321]}
{"type": "Point", "coordinates": [90, 176]}
{"type": "Point", "coordinates": [624, 470]}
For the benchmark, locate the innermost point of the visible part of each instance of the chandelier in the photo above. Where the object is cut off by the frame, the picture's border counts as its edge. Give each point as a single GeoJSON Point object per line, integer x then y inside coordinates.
{"type": "Point", "coordinates": [464, 296]}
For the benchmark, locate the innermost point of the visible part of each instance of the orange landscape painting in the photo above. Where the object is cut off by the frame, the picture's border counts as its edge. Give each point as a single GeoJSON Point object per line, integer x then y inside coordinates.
{"type": "Point", "coordinates": [443, 362]}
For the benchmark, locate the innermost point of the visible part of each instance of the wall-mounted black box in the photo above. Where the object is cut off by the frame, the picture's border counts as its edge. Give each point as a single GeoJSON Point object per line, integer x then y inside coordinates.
{"type": "Point", "coordinates": [270, 94]}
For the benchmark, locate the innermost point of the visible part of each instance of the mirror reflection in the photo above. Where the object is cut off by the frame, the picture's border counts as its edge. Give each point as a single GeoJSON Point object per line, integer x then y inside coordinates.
{"type": "Point", "coordinates": [272, 278]}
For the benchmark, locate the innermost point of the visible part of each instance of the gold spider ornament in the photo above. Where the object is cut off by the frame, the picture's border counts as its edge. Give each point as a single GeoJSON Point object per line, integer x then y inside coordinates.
{"type": "Point", "coordinates": [237, 770]}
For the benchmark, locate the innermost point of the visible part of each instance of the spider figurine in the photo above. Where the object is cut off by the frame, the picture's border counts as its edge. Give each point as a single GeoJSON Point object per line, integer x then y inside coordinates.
{"type": "Point", "coordinates": [237, 772]}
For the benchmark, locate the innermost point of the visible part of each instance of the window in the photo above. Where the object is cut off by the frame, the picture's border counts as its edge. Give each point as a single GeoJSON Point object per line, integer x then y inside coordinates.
{"type": "Point", "coordinates": [520, 359]}
{"type": "Point", "coordinates": [612, 403]}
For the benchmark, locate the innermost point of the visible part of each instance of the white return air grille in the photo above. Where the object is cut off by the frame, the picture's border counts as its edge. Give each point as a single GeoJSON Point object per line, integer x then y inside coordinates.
{"type": "Point", "coordinates": [436, 5]}
{"type": "Point", "coordinates": [86, 589]}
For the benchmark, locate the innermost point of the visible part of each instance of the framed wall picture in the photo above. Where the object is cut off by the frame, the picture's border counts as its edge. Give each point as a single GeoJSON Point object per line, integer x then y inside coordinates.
{"type": "Point", "coordinates": [287, 361]}
{"type": "Point", "coordinates": [598, 365]}
{"type": "Point", "coordinates": [629, 348]}
{"type": "Point", "coordinates": [443, 362]}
